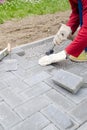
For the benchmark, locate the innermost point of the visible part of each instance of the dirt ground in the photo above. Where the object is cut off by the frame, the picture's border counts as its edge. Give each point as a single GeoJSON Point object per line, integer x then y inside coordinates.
{"type": "Point", "coordinates": [31, 28]}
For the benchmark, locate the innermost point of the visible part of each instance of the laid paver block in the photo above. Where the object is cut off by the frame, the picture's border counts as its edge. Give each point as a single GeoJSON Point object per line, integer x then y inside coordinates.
{"type": "Point", "coordinates": [27, 64]}
{"type": "Point", "coordinates": [8, 117]}
{"type": "Point", "coordinates": [37, 78]}
{"type": "Point", "coordinates": [79, 113]}
{"type": "Point", "coordinates": [11, 98]}
{"type": "Point", "coordinates": [60, 100]}
{"type": "Point", "coordinates": [77, 69]}
{"type": "Point", "coordinates": [3, 85]}
{"type": "Point", "coordinates": [58, 118]}
{"type": "Point", "coordinates": [35, 122]}
{"type": "Point", "coordinates": [1, 127]}
{"type": "Point", "coordinates": [79, 96]}
{"type": "Point", "coordinates": [68, 81]}
{"type": "Point", "coordinates": [6, 75]}
{"type": "Point", "coordinates": [83, 127]}
{"type": "Point", "coordinates": [50, 127]}
{"type": "Point", "coordinates": [32, 106]}
{"type": "Point", "coordinates": [17, 85]}
{"type": "Point", "coordinates": [35, 91]}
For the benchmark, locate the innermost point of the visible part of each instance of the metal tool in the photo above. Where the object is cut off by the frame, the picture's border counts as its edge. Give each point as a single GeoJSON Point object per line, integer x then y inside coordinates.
{"type": "Point", "coordinates": [51, 51]}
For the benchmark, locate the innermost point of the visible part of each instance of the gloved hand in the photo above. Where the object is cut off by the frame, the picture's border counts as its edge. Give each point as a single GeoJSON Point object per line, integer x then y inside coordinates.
{"type": "Point", "coordinates": [53, 58]}
{"type": "Point", "coordinates": [62, 34]}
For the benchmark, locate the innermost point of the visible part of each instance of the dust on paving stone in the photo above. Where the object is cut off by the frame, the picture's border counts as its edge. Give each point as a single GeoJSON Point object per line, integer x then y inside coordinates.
{"type": "Point", "coordinates": [31, 28]}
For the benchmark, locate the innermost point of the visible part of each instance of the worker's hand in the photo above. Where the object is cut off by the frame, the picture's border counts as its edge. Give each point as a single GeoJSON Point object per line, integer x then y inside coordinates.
{"type": "Point", "coordinates": [62, 34]}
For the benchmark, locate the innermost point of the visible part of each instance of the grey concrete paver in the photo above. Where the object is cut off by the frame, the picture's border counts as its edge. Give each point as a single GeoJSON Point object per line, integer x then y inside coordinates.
{"type": "Point", "coordinates": [59, 118]}
{"type": "Point", "coordinates": [50, 127]}
{"type": "Point", "coordinates": [8, 117]}
{"type": "Point", "coordinates": [32, 106]}
{"type": "Point", "coordinates": [83, 127]}
{"type": "Point", "coordinates": [3, 85]}
{"type": "Point", "coordinates": [60, 100]}
{"type": "Point", "coordinates": [37, 78]}
{"type": "Point", "coordinates": [1, 127]}
{"type": "Point", "coordinates": [16, 84]}
{"type": "Point", "coordinates": [80, 96]}
{"type": "Point", "coordinates": [35, 91]}
{"type": "Point", "coordinates": [35, 122]}
{"type": "Point", "coordinates": [12, 98]}
{"type": "Point", "coordinates": [68, 81]}
{"type": "Point", "coordinates": [79, 113]}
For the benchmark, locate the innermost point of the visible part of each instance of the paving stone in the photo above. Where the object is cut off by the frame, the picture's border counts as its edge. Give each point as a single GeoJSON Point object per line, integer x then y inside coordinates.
{"type": "Point", "coordinates": [37, 69]}
{"type": "Point", "coordinates": [50, 127]}
{"type": "Point", "coordinates": [37, 78]}
{"type": "Point", "coordinates": [83, 127]}
{"type": "Point", "coordinates": [2, 67]}
{"type": "Point", "coordinates": [84, 75]}
{"type": "Point", "coordinates": [3, 85]}
{"type": "Point", "coordinates": [11, 65]}
{"type": "Point", "coordinates": [11, 98]}
{"type": "Point", "coordinates": [6, 75]}
{"type": "Point", "coordinates": [27, 73]}
{"type": "Point", "coordinates": [26, 64]}
{"type": "Point", "coordinates": [8, 117]}
{"type": "Point", "coordinates": [77, 69]}
{"type": "Point", "coordinates": [79, 96]}
{"type": "Point", "coordinates": [79, 113]}
{"type": "Point", "coordinates": [35, 122]}
{"type": "Point", "coordinates": [60, 119]}
{"type": "Point", "coordinates": [36, 90]}
{"type": "Point", "coordinates": [68, 81]}
{"type": "Point", "coordinates": [60, 100]}
{"type": "Point", "coordinates": [17, 85]}
{"type": "Point", "coordinates": [30, 107]}
{"type": "Point", "coordinates": [1, 127]}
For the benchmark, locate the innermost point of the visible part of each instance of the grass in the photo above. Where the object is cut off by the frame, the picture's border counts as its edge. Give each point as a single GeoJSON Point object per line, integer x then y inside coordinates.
{"type": "Point", "coordinates": [19, 8]}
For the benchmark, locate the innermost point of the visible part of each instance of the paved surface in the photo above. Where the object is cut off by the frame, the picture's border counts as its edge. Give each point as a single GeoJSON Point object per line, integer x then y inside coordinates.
{"type": "Point", "coordinates": [30, 100]}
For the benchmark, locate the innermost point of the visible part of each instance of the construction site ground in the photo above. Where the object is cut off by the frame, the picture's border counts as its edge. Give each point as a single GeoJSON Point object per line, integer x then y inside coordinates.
{"type": "Point", "coordinates": [31, 28]}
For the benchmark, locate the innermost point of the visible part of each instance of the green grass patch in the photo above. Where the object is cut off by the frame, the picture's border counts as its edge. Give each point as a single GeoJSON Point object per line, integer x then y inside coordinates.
{"type": "Point", "coordinates": [19, 8]}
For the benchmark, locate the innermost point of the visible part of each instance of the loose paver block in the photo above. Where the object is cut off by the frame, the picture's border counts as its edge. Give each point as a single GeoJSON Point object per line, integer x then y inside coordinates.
{"type": "Point", "coordinates": [68, 80]}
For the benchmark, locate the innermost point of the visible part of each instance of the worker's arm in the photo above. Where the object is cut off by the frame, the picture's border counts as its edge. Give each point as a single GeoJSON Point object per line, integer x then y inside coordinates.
{"type": "Point", "coordinates": [73, 21]}
{"type": "Point", "coordinates": [80, 42]}
{"type": "Point", "coordinates": [66, 30]}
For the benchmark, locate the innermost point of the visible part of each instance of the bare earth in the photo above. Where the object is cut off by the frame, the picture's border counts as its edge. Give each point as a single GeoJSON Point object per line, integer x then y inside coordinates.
{"type": "Point", "coordinates": [31, 28]}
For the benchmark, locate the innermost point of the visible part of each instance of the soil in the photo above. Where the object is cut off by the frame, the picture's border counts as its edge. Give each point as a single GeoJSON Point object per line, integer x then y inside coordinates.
{"type": "Point", "coordinates": [31, 28]}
